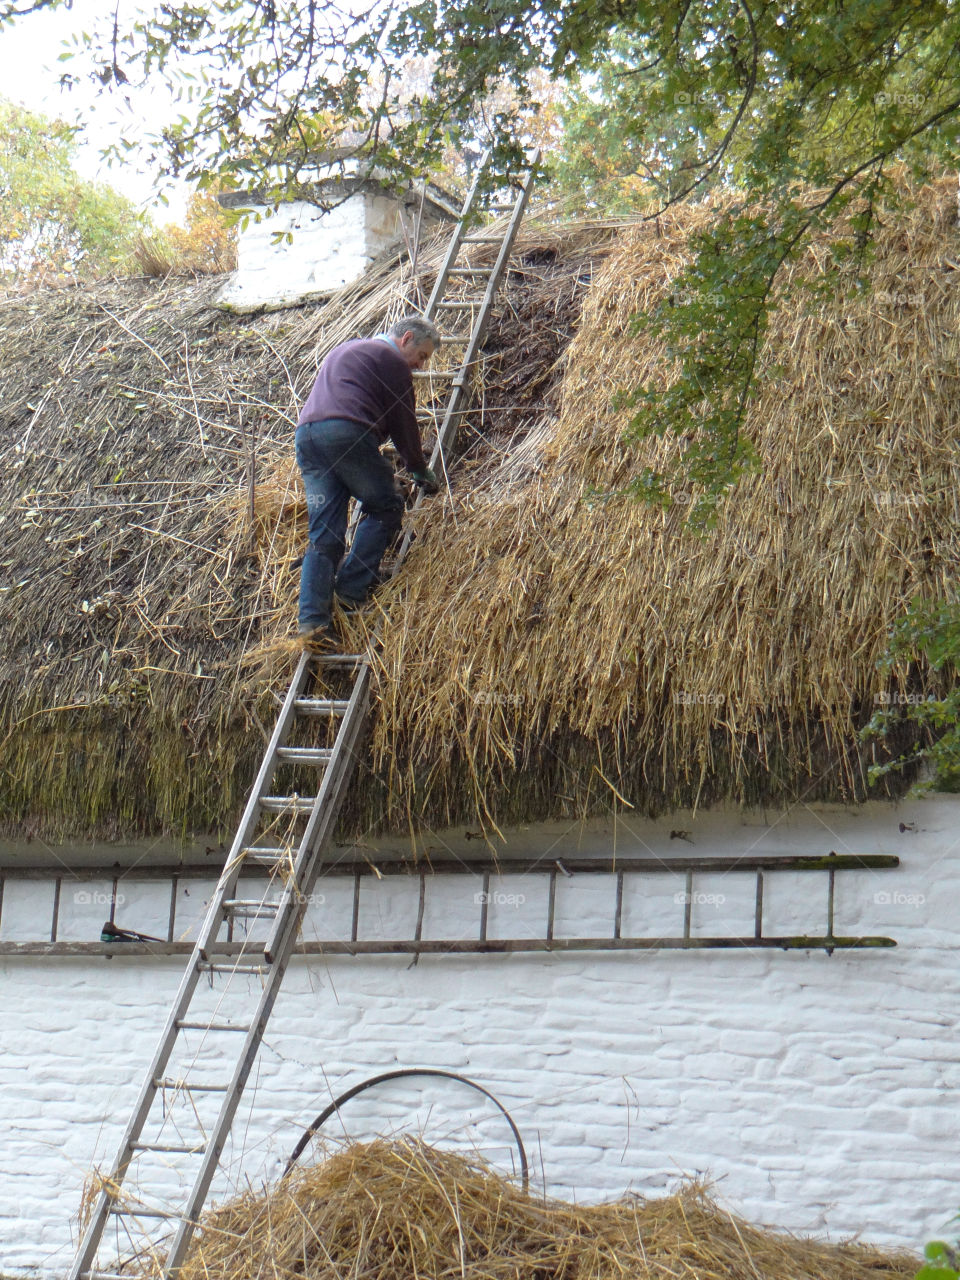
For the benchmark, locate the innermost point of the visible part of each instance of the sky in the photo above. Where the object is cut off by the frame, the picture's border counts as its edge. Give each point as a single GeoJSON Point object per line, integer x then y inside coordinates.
{"type": "Point", "coordinates": [29, 72]}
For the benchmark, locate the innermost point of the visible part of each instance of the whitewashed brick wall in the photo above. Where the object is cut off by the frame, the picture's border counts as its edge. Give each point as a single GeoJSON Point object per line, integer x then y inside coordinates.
{"type": "Point", "coordinates": [328, 249]}
{"type": "Point", "coordinates": [817, 1091]}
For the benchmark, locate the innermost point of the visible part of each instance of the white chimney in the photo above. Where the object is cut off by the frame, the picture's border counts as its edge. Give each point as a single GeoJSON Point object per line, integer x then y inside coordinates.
{"type": "Point", "coordinates": [301, 252]}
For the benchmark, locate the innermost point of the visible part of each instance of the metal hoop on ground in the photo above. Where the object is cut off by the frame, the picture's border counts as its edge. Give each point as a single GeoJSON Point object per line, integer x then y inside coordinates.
{"type": "Point", "coordinates": [404, 1073]}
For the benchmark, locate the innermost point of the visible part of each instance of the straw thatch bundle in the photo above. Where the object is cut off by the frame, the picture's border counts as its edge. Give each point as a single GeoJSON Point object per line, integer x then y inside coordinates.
{"type": "Point", "coordinates": [543, 655]}
{"type": "Point", "coordinates": [394, 1211]}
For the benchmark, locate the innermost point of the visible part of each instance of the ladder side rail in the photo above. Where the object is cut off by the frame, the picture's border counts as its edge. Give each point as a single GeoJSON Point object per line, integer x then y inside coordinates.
{"type": "Point", "coordinates": [268, 764]}
{"type": "Point", "coordinates": [321, 826]}
{"type": "Point", "coordinates": [493, 281]}
{"type": "Point", "coordinates": [453, 248]}
{"type": "Point", "coordinates": [506, 248]}
{"type": "Point", "coordinates": [325, 805]}
{"type": "Point", "coordinates": [460, 389]}
{"type": "Point", "coordinates": [189, 1215]}
{"type": "Point", "coordinates": [324, 817]}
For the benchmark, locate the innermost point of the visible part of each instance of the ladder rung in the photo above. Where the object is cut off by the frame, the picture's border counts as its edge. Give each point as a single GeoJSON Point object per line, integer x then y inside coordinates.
{"type": "Point", "coordinates": [321, 707]}
{"type": "Point", "coordinates": [466, 305]}
{"type": "Point", "coordinates": [470, 271]}
{"type": "Point", "coordinates": [501, 208]}
{"type": "Point", "coordinates": [178, 1148]}
{"type": "Point", "coordinates": [456, 337]}
{"type": "Point", "coordinates": [304, 755]}
{"type": "Point", "coordinates": [121, 1212]}
{"type": "Point", "coordinates": [287, 804]}
{"type": "Point", "coordinates": [250, 907]}
{"type": "Point", "coordinates": [341, 659]}
{"type": "Point", "coordinates": [264, 855]}
{"type": "Point", "coordinates": [212, 1026]}
{"type": "Point", "coordinates": [481, 239]}
{"type": "Point", "coordinates": [185, 1084]}
{"type": "Point", "coordinates": [267, 861]}
{"type": "Point", "coordinates": [103, 1275]}
{"type": "Point", "coordinates": [207, 966]}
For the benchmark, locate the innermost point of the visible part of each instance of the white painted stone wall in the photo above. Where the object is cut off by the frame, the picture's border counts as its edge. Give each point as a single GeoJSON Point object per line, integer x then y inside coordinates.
{"type": "Point", "coordinates": [817, 1091]}
{"type": "Point", "coordinates": [328, 249]}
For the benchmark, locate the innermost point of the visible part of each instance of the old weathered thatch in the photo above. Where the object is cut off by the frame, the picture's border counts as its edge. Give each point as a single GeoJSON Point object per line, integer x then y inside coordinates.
{"type": "Point", "coordinates": [543, 655]}
{"type": "Point", "coordinates": [392, 1211]}
{"type": "Point", "coordinates": [152, 524]}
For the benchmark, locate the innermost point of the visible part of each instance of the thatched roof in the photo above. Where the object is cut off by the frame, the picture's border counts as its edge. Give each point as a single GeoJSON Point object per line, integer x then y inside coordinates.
{"type": "Point", "coordinates": [543, 655]}
{"type": "Point", "coordinates": [143, 558]}
{"type": "Point", "coordinates": [393, 1210]}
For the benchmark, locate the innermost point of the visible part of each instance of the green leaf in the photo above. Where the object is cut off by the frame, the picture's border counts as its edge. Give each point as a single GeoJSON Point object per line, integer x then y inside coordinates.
{"type": "Point", "coordinates": [937, 1250]}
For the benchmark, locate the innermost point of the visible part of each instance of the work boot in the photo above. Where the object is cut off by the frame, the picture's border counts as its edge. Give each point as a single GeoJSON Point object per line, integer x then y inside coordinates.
{"type": "Point", "coordinates": [350, 604]}
{"type": "Point", "coordinates": [322, 637]}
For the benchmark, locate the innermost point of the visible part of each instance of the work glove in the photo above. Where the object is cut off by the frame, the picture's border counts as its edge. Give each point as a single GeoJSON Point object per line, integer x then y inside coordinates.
{"type": "Point", "coordinates": [427, 480]}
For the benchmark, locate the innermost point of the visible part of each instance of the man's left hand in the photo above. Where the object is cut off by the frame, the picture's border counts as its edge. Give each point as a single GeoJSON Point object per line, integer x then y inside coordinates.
{"type": "Point", "coordinates": [427, 480]}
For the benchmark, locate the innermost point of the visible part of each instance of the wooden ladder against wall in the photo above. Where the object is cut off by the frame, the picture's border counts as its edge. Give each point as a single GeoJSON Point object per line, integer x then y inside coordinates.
{"type": "Point", "coordinates": [148, 1203]}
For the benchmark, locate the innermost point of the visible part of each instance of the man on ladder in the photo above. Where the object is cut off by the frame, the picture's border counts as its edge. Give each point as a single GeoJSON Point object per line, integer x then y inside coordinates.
{"type": "Point", "coordinates": [362, 397]}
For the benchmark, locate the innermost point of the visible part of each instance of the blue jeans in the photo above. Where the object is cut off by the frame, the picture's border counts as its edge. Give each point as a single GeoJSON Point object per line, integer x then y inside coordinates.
{"type": "Point", "coordinates": [339, 460]}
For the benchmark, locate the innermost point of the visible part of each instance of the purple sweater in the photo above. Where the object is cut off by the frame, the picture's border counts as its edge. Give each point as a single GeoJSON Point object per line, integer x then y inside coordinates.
{"type": "Point", "coordinates": [367, 380]}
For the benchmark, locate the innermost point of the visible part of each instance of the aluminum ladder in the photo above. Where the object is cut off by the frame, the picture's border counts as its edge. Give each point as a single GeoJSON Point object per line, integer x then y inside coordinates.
{"type": "Point", "coordinates": [181, 1116]}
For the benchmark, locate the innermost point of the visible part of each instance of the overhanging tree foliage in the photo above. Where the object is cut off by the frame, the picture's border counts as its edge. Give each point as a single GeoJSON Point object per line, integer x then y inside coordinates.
{"type": "Point", "coordinates": [774, 100]}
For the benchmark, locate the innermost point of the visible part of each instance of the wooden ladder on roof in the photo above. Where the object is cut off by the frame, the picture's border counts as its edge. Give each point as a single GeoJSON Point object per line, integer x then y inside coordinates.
{"type": "Point", "coordinates": [183, 1116]}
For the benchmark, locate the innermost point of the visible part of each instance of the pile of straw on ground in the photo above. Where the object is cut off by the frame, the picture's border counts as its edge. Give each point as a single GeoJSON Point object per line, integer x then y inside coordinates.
{"type": "Point", "coordinates": [396, 1211]}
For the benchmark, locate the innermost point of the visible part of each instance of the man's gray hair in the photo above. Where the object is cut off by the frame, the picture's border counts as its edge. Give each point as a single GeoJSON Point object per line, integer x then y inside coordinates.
{"type": "Point", "coordinates": [422, 330]}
